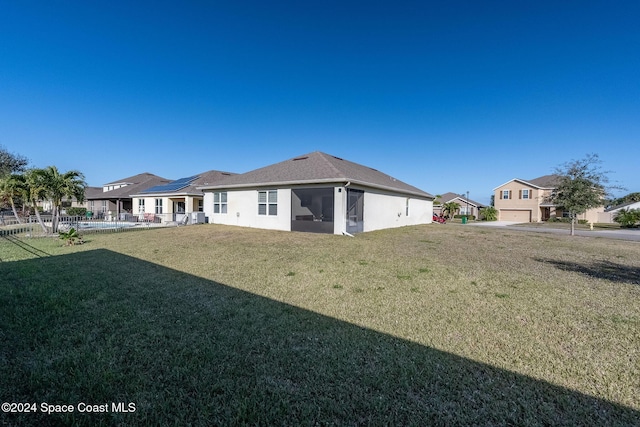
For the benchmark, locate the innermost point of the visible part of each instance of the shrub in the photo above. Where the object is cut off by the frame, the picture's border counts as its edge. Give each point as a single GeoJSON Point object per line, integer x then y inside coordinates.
{"type": "Point", "coordinates": [71, 237]}
{"type": "Point", "coordinates": [76, 211]}
{"type": "Point", "coordinates": [627, 217]}
{"type": "Point", "coordinates": [559, 219]}
{"type": "Point", "coordinates": [489, 213]}
{"type": "Point", "coordinates": [468, 216]}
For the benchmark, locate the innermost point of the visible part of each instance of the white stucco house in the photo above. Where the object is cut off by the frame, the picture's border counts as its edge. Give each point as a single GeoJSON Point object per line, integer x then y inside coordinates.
{"type": "Point", "coordinates": [610, 213]}
{"type": "Point", "coordinates": [175, 201]}
{"type": "Point", "coordinates": [316, 192]}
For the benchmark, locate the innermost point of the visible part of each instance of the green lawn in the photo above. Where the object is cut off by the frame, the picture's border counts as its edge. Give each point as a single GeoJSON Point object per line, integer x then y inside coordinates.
{"type": "Point", "coordinates": [429, 325]}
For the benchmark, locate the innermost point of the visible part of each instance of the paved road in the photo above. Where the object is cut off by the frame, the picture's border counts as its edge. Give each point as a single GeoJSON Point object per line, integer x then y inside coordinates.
{"type": "Point", "coordinates": [621, 234]}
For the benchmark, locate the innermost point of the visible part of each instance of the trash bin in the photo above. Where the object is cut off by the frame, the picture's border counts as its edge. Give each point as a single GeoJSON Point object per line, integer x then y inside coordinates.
{"type": "Point", "coordinates": [464, 219]}
{"type": "Point", "coordinates": [89, 214]}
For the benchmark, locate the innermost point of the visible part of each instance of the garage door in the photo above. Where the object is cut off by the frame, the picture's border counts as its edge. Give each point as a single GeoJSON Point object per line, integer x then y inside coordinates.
{"type": "Point", "coordinates": [513, 215]}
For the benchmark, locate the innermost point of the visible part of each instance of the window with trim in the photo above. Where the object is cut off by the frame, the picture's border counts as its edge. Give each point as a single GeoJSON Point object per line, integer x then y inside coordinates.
{"type": "Point", "coordinates": [525, 194]}
{"type": "Point", "coordinates": [200, 205]}
{"type": "Point", "coordinates": [140, 205]}
{"type": "Point", "coordinates": [91, 206]}
{"type": "Point", "coordinates": [220, 202]}
{"type": "Point", "coordinates": [158, 206]}
{"type": "Point", "coordinates": [104, 206]}
{"type": "Point", "coordinates": [506, 194]}
{"type": "Point", "coordinates": [268, 202]}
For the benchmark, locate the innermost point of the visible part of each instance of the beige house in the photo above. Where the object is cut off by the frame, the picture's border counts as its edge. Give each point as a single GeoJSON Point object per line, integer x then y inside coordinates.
{"type": "Point", "coordinates": [467, 206]}
{"type": "Point", "coordinates": [529, 201]}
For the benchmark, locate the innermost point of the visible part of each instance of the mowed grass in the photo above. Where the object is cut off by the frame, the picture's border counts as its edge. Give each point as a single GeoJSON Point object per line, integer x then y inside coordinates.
{"type": "Point", "coordinates": [429, 325]}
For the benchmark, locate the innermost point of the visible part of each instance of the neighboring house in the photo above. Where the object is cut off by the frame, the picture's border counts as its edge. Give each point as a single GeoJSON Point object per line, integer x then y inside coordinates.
{"type": "Point", "coordinates": [47, 205]}
{"type": "Point", "coordinates": [467, 206]}
{"type": "Point", "coordinates": [115, 197]}
{"type": "Point", "coordinates": [319, 193]}
{"type": "Point", "coordinates": [608, 215]}
{"type": "Point", "coordinates": [174, 200]}
{"type": "Point", "coordinates": [529, 201]}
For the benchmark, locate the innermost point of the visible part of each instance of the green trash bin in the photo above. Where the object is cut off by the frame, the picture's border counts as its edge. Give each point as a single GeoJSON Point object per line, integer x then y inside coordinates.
{"type": "Point", "coordinates": [89, 214]}
{"type": "Point", "coordinates": [464, 219]}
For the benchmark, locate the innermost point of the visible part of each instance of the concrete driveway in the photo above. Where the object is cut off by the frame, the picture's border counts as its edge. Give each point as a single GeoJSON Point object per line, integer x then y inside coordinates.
{"type": "Point", "coordinates": [621, 234]}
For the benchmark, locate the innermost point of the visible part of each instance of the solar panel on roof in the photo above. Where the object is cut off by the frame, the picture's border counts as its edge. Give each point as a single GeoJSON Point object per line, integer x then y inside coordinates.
{"type": "Point", "coordinates": [165, 188]}
{"type": "Point", "coordinates": [176, 185]}
{"type": "Point", "coordinates": [184, 180]}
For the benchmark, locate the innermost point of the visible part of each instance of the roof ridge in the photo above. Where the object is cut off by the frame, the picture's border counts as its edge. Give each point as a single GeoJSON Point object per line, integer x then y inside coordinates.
{"type": "Point", "coordinates": [330, 163]}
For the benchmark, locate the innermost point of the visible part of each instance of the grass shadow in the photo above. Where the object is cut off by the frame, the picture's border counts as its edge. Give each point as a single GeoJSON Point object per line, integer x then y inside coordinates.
{"type": "Point", "coordinates": [599, 269]}
{"type": "Point", "coordinates": [99, 327]}
{"type": "Point", "coordinates": [20, 243]}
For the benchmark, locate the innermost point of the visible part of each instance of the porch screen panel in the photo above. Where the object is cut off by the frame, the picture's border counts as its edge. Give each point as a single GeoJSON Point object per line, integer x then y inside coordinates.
{"type": "Point", "coordinates": [312, 210]}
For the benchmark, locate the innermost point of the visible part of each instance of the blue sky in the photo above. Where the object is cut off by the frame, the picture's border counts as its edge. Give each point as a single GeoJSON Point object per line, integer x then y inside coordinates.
{"type": "Point", "coordinates": [446, 95]}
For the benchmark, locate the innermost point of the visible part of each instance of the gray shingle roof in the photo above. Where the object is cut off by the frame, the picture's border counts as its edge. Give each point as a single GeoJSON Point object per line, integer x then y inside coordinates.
{"type": "Point", "coordinates": [447, 197]}
{"type": "Point", "coordinates": [136, 184]}
{"type": "Point", "coordinates": [543, 182]}
{"type": "Point", "coordinates": [546, 181]}
{"type": "Point", "coordinates": [317, 167]}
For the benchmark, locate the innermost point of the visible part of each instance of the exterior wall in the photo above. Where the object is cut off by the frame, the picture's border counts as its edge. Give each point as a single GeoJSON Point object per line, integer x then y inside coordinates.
{"type": "Point", "coordinates": [112, 187]}
{"type": "Point", "coordinates": [592, 215]}
{"type": "Point", "coordinates": [191, 205]}
{"type": "Point", "coordinates": [386, 210]}
{"type": "Point", "coordinates": [381, 210]}
{"type": "Point", "coordinates": [242, 210]}
{"type": "Point", "coordinates": [340, 209]}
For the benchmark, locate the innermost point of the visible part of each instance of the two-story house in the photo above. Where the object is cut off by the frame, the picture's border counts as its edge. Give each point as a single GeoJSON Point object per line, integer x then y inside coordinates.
{"type": "Point", "coordinates": [530, 201]}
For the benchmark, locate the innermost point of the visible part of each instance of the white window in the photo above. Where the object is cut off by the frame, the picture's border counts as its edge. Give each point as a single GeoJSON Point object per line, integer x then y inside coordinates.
{"type": "Point", "coordinates": [220, 202]}
{"type": "Point", "coordinates": [141, 205]}
{"type": "Point", "coordinates": [158, 206]}
{"type": "Point", "coordinates": [104, 206]}
{"type": "Point", "coordinates": [506, 194]}
{"type": "Point", "coordinates": [465, 210]}
{"type": "Point", "coordinates": [526, 193]}
{"type": "Point", "coordinates": [200, 205]}
{"type": "Point", "coordinates": [268, 202]}
{"type": "Point", "coordinates": [91, 206]}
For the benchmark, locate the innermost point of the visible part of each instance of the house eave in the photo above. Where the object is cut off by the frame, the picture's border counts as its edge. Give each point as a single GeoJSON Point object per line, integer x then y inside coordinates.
{"type": "Point", "coordinates": [341, 182]}
{"type": "Point", "coordinates": [524, 182]}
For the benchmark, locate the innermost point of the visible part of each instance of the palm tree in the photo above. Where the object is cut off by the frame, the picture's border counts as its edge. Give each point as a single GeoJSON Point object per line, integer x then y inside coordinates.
{"type": "Point", "coordinates": [58, 186]}
{"type": "Point", "coordinates": [627, 217]}
{"type": "Point", "coordinates": [450, 208]}
{"type": "Point", "coordinates": [489, 213]}
{"type": "Point", "coordinates": [35, 190]}
{"type": "Point", "coordinates": [11, 187]}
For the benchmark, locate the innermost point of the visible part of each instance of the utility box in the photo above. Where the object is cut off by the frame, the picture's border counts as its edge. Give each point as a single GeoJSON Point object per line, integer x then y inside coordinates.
{"type": "Point", "coordinates": [197, 218]}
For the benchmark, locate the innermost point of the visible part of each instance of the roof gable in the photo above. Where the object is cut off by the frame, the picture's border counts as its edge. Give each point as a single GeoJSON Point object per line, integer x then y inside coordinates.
{"type": "Point", "coordinates": [135, 184]}
{"type": "Point", "coordinates": [135, 179]}
{"type": "Point", "coordinates": [546, 182]}
{"type": "Point", "coordinates": [317, 167]}
{"type": "Point", "coordinates": [451, 197]}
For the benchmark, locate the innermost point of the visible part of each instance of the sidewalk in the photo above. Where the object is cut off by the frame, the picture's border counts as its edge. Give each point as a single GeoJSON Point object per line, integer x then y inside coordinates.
{"type": "Point", "coordinates": [621, 234]}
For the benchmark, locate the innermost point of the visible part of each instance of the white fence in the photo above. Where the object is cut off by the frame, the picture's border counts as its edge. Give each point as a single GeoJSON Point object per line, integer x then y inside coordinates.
{"type": "Point", "coordinates": [30, 227]}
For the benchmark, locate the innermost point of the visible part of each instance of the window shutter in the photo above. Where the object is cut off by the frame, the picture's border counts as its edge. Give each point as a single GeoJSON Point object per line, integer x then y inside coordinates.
{"type": "Point", "coordinates": [519, 194]}
{"type": "Point", "coordinates": [509, 194]}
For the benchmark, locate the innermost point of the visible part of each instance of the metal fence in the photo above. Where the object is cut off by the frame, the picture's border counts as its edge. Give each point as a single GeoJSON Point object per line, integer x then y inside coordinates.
{"type": "Point", "coordinates": [30, 227]}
